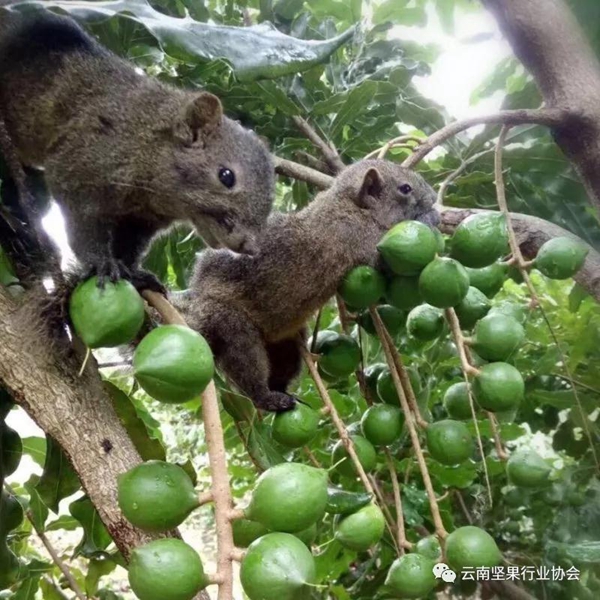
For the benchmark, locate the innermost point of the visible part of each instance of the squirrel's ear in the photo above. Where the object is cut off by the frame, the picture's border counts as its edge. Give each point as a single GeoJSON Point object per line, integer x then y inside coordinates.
{"type": "Point", "coordinates": [372, 186]}
{"type": "Point", "coordinates": [202, 114]}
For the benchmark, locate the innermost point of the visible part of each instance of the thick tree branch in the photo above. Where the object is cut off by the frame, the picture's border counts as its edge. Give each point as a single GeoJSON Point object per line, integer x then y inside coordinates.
{"type": "Point", "coordinates": [547, 39]}
{"type": "Point", "coordinates": [76, 411]}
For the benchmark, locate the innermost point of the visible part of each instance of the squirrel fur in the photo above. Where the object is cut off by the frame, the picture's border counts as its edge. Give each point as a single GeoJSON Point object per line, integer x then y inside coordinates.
{"type": "Point", "coordinates": [125, 155]}
{"type": "Point", "coordinates": [253, 309]}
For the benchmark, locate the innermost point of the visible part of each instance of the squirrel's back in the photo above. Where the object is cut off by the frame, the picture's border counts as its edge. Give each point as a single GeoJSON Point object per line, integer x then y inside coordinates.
{"type": "Point", "coordinates": [51, 70]}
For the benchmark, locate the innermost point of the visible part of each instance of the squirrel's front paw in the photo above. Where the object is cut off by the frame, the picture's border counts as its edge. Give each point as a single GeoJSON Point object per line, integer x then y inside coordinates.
{"type": "Point", "coordinates": [276, 402]}
{"type": "Point", "coordinates": [144, 280]}
{"type": "Point", "coordinates": [107, 269]}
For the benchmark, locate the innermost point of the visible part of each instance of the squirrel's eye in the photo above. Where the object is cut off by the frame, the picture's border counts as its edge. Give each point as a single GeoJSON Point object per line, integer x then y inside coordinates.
{"type": "Point", "coordinates": [226, 222]}
{"type": "Point", "coordinates": [226, 177]}
{"type": "Point", "coordinates": [405, 189]}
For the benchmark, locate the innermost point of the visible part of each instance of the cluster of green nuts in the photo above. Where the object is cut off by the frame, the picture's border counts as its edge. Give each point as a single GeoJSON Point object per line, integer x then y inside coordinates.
{"type": "Point", "coordinates": [172, 363]}
{"type": "Point", "coordinates": [421, 279]}
{"type": "Point", "coordinates": [277, 528]}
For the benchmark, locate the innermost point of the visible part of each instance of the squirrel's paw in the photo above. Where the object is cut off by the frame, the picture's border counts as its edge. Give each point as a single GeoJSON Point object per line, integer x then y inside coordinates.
{"type": "Point", "coordinates": [276, 402]}
{"type": "Point", "coordinates": [144, 280]}
{"type": "Point", "coordinates": [108, 269]}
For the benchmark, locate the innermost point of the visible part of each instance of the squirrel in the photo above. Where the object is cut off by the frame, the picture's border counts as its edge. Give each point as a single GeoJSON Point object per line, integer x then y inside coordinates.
{"type": "Point", "coordinates": [123, 154]}
{"type": "Point", "coordinates": [253, 309]}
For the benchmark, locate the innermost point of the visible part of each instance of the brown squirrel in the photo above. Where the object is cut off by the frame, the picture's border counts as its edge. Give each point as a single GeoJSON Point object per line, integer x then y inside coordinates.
{"type": "Point", "coordinates": [251, 309]}
{"type": "Point", "coordinates": [125, 155]}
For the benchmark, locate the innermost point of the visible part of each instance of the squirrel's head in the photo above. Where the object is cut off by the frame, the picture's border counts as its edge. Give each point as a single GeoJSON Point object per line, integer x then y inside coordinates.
{"type": "Point", "coordinates": [389, 192]}
{"type": "Point", "coordinates": [226, 172]}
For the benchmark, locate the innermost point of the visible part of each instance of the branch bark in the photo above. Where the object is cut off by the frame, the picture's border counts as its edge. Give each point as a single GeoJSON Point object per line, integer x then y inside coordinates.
{"type": "Point", "coordinates": [76, 411]}
{"type": "Point", "coordinates": [547, 39]}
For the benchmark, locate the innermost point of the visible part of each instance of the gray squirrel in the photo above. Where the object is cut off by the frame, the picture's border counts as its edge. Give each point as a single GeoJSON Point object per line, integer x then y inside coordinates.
{"type": "Point", "coordinates": [123, 154]}
{"type": "Point", "coordinates": [253, 309]}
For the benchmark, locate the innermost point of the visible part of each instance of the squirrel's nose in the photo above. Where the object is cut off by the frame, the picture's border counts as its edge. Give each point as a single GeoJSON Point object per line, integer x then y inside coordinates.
{"type": "Point", "coordinates": [248, 246]}
{"type": "Point", "coordinates": [431, 218]}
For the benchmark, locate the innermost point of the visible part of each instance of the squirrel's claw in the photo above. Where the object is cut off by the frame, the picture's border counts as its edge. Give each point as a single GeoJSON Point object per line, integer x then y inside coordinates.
{"type": "Point", "coordinates": [277, 402]}
{"type": "Point", "coordinates": [144, 280]}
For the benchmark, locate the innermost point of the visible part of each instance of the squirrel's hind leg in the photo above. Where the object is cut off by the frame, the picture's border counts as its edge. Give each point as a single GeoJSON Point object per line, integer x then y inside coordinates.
{"type": "Point", "coordinates": [285, 363]}
{"type": "Point", "coordinates": [240, 353]}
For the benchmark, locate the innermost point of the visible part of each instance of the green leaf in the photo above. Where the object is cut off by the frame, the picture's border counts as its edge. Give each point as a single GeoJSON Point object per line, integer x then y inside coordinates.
{"type": "Point", "coordinates": [36, 448]}
{"type": "Point", "coordinates": [95, 536]}
{"type": "Point", "coordinates": [64, 522]}
{"type": "Point", "coordinates": [256, 52]}
{"type": "Point", "coordinates": [583, 552]}
{"type": "Point", "coordinates": [97, 569]}
{"type": "Point", "coordinates": [28, 588]}
{"type": "Point", "coordinates": [38, 567]}
{"type": "Point", "coordinates": [397, 11]}
{"type": "Point", "coordinates": [58, 480]}
{"type": "Point", "coordinates": [355, 103]}
{"type": "Point", "coordinates": [51, 591]}
{"type": "Point", "coordinates": [577, 295]}
{"type": "Point", "coordinates": [461, 476]}
{"type": "Point", "coordinates": [278, 98]}
{"type": "Point", "coordinates": [144, 438]}
{"type": "Point", "coordinates": [287, 9]}
{"type": "Point", "coordinates": [445, 13]}
{"type": "Point", "coordinates": [37, 509]}
{"type": "Point", "coordinates": [261, 446]}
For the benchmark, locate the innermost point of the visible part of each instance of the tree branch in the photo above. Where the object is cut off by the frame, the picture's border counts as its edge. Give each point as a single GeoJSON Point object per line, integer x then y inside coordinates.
{"type": "Point", "coordinates": [295, 170]}
{"type": "Point", "coordinates": [543, 116]}
{"type": "Point", "coordinates": [330, 154]}
{"type": "Point", "coordinates": [440, 530]}
{"type": "Point", "coordinates": [546, 37]}
{"type": "Point", "coordinates": [76, 411]}
{"type": "Point", "coordinates": [337, 421]}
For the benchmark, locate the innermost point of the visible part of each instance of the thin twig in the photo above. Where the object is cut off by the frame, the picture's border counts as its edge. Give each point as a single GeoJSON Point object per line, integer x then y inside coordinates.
{"type": "Point", "coordinates": [345, 321]}
{"type": "Point", "coordinates": [397, 370]}
{"type": "Point", "coordinates": [337, 421]}
{"type": "Point", "coordinates": [390, 523]}
{"type": "Point", "coordinates": [468, 369]}
{"type": "Point", "coordinates": [220, 487]}
{"type": "Point", "coordinates": [502, 455]}
{"type": "Point", "coordinates": [313, 162]}
{"type": "Point", "coordinates": [394, 143]}
{"type": "Point", "coordinates": [329, 152]}
{"type": "Point", "coordinates": [52, 552]}
{"type": "Point", "coordinates": [463, 506]}
{"type": "Point", "coordinates": [295, 170]}
{"type": "Point", "coordinates": [550, 117]}
{"type": "Point", "coordinates": [535, 301]}
{"type": "Point", "coordinates": [313, 459]}
{"type": "Point", "coordinates": [414, 436]}
{"type": "Point", "coordinates": [403, 543]}
{"type": "Point", "coordinates": [221, 491]}
{"type": "Point", "coordinates": [457, 173]}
